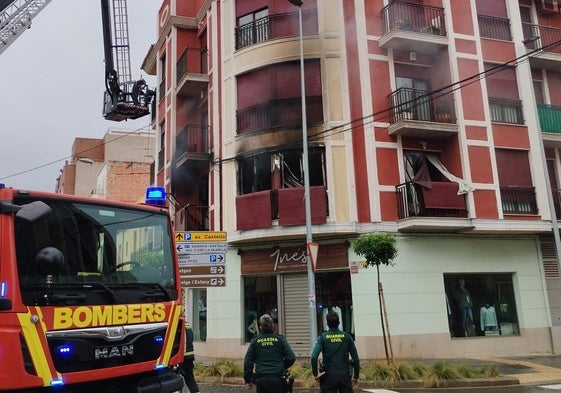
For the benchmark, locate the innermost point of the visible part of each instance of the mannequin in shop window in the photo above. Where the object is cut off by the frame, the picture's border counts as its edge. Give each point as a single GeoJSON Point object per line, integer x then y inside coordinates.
{"type": "Point", "coordinates": [488, 318]}
{"type": "Point", "coordinates": [463, 299]}
{"type": "Point", "coordinates": [335, 309]}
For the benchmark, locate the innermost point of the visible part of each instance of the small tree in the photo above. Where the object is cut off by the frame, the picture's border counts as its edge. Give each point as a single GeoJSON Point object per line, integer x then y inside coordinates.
{"type": "Point", "coordinates": [379, 249]}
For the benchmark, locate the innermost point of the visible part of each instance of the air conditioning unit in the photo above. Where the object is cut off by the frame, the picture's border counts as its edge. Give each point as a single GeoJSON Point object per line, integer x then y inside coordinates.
{"type": "Point", "coordinates": [547, 7]}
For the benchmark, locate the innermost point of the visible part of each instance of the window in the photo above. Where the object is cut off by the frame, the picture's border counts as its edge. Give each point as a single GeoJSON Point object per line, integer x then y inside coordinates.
{"type": "Point", "coordinates": [333, 293]}
{"type": "Point", "coordinates": [284, 169]}
{"type": "Point", "coordinates": [481, 304]}
{"type": "Point", "coordinates": [199, 309]}
{"type": "Point", "coordinates": [502, 89]}
{"type": "Point", "coordinates": [260, 297]}
{"type": "Point", "coordinates": [252, 28]}
{"type": "Point", "coordinates": [517, 192]}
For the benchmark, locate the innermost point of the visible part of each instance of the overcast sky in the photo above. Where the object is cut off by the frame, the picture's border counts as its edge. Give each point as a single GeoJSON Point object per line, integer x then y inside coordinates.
{"type": "Point", "coordinates": [52, 80]}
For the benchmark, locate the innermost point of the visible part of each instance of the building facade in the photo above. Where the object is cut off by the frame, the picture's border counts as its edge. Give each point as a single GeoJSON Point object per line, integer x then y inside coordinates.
{"type": "Point", "coordinates": [118, 166]}
{"type": "Point", "coordinates": [437, 121]}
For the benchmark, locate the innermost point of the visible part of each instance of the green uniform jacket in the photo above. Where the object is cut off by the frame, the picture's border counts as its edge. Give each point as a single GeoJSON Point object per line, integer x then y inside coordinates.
{"type": "Point", "coordinates": [335, 346]}
{"type": "Point", "coordinates": [270, 353]}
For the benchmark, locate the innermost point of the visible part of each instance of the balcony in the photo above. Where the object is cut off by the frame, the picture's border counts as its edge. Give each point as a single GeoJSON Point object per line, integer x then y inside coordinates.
{"type": "Point", "coordinates": [420, 113]}
{"type": "Point", "coordinates": [536, 37]}
{"type": "Point", "coordinates": [506, 111]}
{"type": "Point", "coordinates": [413, 27]}
{"type": "Point", "coordinates": [191, 144]}
{"type": "Point", "coordinates": [279, 113]}
{"type": "Point", "coordinates": [494, 28]}
{"type": "Point", "coordinates": [431, 209]}
{"type": "Point", "coordinates": [258, 210]}
{"type": "Point", "coordinates": [550, 124]}
{"type": "Point", "coordinates": [192, 72]}
{"type": "Point", "coordinates": [196, 218]}
{"type": "Point", "coordinates": [276, 26]}
{"type": "Point", "coordinates": [518, 200]}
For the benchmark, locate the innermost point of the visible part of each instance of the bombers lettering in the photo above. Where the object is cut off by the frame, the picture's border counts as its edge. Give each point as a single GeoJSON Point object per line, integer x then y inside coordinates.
{"type": "Point", "coordinates": [66, 317]}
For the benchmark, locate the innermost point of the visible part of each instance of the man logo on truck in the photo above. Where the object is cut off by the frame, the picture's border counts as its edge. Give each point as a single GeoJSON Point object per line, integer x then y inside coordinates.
{"type": "Point", "coordinates": [112, 352]}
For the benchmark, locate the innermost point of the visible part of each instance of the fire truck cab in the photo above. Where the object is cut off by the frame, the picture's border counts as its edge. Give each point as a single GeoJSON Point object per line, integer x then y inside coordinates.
{"type": "Point", "coordinates": [90, 296]}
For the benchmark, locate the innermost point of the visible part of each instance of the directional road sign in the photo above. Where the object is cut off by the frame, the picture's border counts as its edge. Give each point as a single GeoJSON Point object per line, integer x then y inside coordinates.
{"type": "Point", "coordinates": [202, 270]}
{"type": "Point", "coordinates": [207, 236]}
{"type": "Point", "coordinates": [201, 259]}
{"type": "Point", "coordinates": [201, 248]}
{"type": "Point", "coordinates": [203, 282]}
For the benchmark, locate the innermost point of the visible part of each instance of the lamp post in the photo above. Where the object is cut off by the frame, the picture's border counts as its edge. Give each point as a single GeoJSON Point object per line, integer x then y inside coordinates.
{"type": "Point", "coordinates": [306, 169]}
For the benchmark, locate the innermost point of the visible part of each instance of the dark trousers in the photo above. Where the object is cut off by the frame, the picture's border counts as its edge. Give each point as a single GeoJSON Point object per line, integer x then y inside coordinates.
{"type": "Point", "coordinates": [270, 384]}
{"type": "Point", "coordinates": [188, 375]}
{"type": "Point", "coordinates": [336, 380]}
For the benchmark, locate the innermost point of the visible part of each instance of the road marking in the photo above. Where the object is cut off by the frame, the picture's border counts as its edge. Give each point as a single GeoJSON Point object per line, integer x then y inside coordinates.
{"type": "Point", "coordinates": [555, 387]}
{"type": "Point", "coordinates": [379, 390]}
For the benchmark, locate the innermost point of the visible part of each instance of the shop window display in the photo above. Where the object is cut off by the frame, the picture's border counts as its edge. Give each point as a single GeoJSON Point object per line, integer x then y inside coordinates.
{"type": "Point", "coordinates": [333, 293]}
{"type": "Point", "coordinates": [480, 305]}
{"type": "Point", "coordinates": [260, 293]}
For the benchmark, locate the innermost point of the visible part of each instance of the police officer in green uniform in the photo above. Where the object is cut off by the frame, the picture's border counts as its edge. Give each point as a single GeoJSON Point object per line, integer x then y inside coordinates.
{"type": "Point", "coordinates": [336, 346]}
{"type": "Point", "coordinates": [271, 355]}
{"type": "Point", "coordinates": [189, 360]}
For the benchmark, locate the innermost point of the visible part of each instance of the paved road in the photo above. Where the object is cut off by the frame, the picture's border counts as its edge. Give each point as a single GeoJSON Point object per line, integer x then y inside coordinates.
{"type": "Point", "coordinates": [548, 388]}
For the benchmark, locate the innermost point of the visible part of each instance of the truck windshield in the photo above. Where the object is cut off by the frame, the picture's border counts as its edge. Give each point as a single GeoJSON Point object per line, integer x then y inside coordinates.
{"type": "Point", "coordinates": [94, 254]}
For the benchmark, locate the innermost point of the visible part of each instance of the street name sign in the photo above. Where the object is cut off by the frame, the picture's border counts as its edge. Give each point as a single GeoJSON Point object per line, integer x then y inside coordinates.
{"type": "Point", "coordinates": [202, 282]}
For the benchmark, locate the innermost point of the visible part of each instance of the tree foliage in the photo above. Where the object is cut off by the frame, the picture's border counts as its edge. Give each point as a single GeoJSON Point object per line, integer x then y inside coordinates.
{"type": "Point", "coordinates": [377, 248]}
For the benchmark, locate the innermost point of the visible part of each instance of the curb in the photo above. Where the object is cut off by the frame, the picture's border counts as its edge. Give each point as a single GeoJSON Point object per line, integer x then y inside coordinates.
{"type": "Point", "coordinates": [413, 384]}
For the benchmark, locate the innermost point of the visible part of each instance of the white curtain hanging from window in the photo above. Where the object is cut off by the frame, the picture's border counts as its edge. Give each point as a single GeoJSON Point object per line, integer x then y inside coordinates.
{"type": "Point", "coordinates": [463, 186]}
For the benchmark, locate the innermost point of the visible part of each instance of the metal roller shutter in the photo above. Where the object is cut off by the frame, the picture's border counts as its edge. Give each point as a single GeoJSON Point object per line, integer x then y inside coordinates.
{"type": "Point", "coordinates": [296, 313]}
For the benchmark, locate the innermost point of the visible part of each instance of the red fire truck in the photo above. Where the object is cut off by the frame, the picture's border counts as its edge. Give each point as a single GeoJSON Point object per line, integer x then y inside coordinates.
{"type": "Point", "coordinates": [90, 296]}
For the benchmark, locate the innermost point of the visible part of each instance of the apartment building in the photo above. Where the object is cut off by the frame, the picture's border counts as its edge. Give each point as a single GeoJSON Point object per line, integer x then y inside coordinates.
{"type": "Point", "coordinates": [118, 166]}
{"type": "Point", "coordinates": [437, 121]}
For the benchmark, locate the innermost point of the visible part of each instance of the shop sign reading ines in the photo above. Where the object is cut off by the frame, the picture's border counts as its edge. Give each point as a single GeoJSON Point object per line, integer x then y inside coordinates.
{"type": "Point", "coordinates": [202, 258]}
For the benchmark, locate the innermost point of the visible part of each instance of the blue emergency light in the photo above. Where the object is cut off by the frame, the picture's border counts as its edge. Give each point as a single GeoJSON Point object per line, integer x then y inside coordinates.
{"type": "Point", "coordinates": [155, 196]}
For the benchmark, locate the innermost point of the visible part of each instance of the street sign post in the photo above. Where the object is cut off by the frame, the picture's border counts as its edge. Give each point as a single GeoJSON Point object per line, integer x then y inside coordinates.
{"type": "Point", "coordinates": [202, 258]}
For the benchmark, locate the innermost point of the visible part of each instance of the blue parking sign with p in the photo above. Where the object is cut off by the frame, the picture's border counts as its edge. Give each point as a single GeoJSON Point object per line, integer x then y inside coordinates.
{"type": "Point", "coordinates": [212, 258]}
{"type": "Point", "coordinates": [187, 236]}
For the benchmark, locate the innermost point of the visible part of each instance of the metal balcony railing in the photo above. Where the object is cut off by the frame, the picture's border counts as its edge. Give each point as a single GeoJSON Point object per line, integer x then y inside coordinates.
{"type": "Point", "coordinates": [550, 118]}
{"type": "Point", "coordinates": [506, 111]}
{"type": "Point", "coordinates": [279, 113]}
{"type": "Point", "coordinates": [192, 61]}
{"type": "Point", "coordinates": [402, 15]}
{"type": "Point", "coordinates": [415, 104]}
{"type": "Point", "coordinates": [276, 26]}
{"type": "Point", "coordinates": [197, 218]}
{"type": "Point", "coordinates": [192, 139]}
{"type": "Point", "coordinates": [493, 27]}
{"type": "Point", "coordinates": [411, 203]}
{"type": "Point", "coordinates": [518, 200]}
{"type": "Point", "coordinates": [536, 36]}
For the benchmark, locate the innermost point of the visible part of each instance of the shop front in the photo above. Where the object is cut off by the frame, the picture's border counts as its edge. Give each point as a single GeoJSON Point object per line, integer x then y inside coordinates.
{"type": "Point", "coordinates": [275, 282]}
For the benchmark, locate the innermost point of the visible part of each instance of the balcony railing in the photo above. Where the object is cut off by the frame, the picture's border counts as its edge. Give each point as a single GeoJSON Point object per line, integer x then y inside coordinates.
{"type": "Point", "coordinates": [401, 15]}
{"type": "Point", "coordinates": [192, 139]}
{"type": "Point", "coordinates": [550, 118]}
{"type": "Point", "coordinates": [506, 111]}
{"type": "Point", "coordinates": [279, 113]}
{"type": "Point", "coordinates": [493, 27]}
{"type": "Point", "coordinates": [258, 209]}
{"type": "Point", "coordinates": [441, 200]}
{"type": "Point", "coordinates": [276, 26]}
{"type": "Point", "coordinates": [536, 36]}
{"type": "Point", "coordinates": [197, 218]}
{"type": "Point", "coordinates": [518, 200]}
{"type": "Point", "coordinates": [192, 61]}
{"type": "Point", "coordinates": [415, 104]}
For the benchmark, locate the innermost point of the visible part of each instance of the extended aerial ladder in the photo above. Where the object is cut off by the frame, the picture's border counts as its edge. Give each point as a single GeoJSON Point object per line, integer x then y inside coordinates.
{"type": "Point", "coordinates": [123, 98]}
{"type": "Point", "coordinates": [15, 18]}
